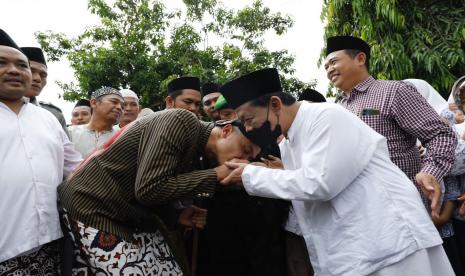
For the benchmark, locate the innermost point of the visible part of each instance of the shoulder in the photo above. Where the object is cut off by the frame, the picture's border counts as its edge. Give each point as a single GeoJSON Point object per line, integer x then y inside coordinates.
{"type": "Point", "coordinates": [50, 106]}
{"type": "Point", "coordinates": [77, 130]}
{"type": "Point", "coordinates": [37, 110]}
{"type": "Point", "coordinates": [177, 117]}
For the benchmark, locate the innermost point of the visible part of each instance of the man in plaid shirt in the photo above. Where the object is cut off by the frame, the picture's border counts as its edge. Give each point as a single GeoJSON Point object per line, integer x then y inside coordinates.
{"type": "Point", "coordinates": [397, 111]}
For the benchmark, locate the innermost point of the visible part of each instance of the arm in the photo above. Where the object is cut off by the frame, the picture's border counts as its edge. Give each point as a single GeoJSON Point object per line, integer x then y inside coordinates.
{"type": "Point", "coordinates": [335, 140]}
{"type": "Point", "coordinates": [446, 213]}
{"type": "Point", "coordinates": [72, 158]}
{"type": "Point", "coordinates": [164, 144]}
{"type": "Point", "coordinates": [415, 116]}
{"type": "Point", "coordinates": [451, 194]}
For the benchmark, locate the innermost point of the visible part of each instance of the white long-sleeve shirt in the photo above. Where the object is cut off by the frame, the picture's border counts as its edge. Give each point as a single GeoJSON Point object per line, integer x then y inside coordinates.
{"type": "Point", "coordinates": [358, 212]}
{"type": "Point", "coordinates": [35, 155]}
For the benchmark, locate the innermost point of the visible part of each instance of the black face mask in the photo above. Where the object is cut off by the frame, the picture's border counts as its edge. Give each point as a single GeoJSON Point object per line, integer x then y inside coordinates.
{"type": "Point", "coordinates": [263, 136]}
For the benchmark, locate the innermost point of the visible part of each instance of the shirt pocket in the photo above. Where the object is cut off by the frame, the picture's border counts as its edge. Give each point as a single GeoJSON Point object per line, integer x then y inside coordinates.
{"type": "Point", "coordinates": [376, 122]}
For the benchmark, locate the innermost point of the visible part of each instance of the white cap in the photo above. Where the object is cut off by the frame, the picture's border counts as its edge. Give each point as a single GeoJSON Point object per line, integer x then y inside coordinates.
{"type": "Point", "coordinates": [129, 93]}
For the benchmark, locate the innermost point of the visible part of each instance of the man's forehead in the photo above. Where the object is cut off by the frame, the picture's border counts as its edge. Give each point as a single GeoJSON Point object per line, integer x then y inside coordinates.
{"type": "Point", "coordinates": [8, 52]}
{"type": "Point", "coordinates": [81, 109]}
{"type": "Point", "coordinates": [112, 97]}
{"type": "Point", "coordinates": [334, 54]}
{"type": "Point", "coordinates": [130, 99]}
{"type": "Point", "coordinates": [38, 65]}
{"type": "Point", "coordinates": [246, 110]}
{"type": "Point", "coordinates": [214, 95]}
{"type": "Point", "coordinates": [191, 93]}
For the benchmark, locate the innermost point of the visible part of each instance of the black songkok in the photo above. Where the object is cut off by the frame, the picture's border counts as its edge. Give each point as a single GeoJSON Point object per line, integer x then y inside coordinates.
{"type": "Point", "coordinates": [34, 54]}
{"type": "Point", "coordinates": [251, 86]}
{"type": "Point", "coordinates": [312, 95]}
{"type": "Point", "coordinates": [346, 42]}
{"type": "Point", "coordinates": [6, 40]}
{"type": "Point", "coordinates": [82, 102]}
{"type": "Point", "coordinates": [184, 83]}
{"type": "Point", "coordinates": [210, 87]}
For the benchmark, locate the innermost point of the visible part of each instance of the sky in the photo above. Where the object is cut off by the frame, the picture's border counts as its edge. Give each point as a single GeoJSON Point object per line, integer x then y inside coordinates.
{"type": "Point", "coordinates": [25, 17]}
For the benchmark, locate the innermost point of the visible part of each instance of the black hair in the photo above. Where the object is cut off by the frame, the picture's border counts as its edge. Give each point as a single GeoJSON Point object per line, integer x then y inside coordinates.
{"type": "Point", "coordinates": [175, 94]}
{"type": "Point", "coordinates": [263, 101]}
{"type": "Point", "coordinates": [354, 52]}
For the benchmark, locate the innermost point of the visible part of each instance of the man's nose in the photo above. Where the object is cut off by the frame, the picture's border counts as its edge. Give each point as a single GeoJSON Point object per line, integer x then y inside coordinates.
{"type": "Point", "coordinates": [12, 69]}
{"type": "Point", "coordinates": [192, 108]}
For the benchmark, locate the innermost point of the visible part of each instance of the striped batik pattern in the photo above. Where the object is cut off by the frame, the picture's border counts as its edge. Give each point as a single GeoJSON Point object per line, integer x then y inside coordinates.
{"type": "Point", "coordinates": [149, 165]}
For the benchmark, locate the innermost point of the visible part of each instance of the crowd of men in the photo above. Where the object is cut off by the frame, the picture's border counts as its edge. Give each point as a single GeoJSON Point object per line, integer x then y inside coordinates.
{"type": "Point", "coordinates": [263, 184]}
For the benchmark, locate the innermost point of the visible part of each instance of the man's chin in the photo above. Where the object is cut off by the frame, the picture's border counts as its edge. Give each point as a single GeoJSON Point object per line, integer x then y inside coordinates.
{"type": "Point", "coordinates": [32, 93]}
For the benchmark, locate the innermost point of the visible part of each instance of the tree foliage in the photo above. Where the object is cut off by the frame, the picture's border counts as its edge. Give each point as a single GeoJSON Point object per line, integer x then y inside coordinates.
{"type": "Point", "coordinates": [422, 39]}
{"type": "Point", "coordinates": [142, 45]}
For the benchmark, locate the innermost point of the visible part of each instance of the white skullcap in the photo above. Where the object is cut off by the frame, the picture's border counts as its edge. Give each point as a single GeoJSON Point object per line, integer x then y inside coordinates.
{"type": "Point", "coordinates": [129, 93]}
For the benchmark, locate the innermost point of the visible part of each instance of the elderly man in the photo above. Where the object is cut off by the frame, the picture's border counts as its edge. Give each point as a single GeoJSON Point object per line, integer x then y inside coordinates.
{"type": "Point", "coordinates": [39, 80]}
{"type": "Point", "coordinates": [114, 202]}
{"type": "Point", "coordinates": [81, 113]}
{"type": "Point", "coordinates": [210, 95]}
{"type": "Point", "coordinates": [106, 104]}
{"type": "Point", "coordinates": [36, 155]}
{"type": "Point", "coordinates": [131, 107]}
{"type": "Point", "coordinates": [358, 212]}
{"type": "Point", "coordinates": [184, 92]}
{"type": "Point", "coordinates": [394, 109]}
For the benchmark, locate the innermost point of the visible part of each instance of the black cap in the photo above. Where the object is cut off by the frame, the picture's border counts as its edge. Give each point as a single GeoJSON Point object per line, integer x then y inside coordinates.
{"type": "Point", "coordinates": [82, 102]}
{"type": "Point", "coordinates": [312, 95]}
{"type": "Point", "coordinates": [346, 42]}
{"type": "Point", "coordinates": [251, 86]}
{"type": "Point", "coordinates": [34, 54]}
{"type": "Point", "coordinates": [210, 87]}
{"type": "Point", "coordinates": [6, 40]}
{"type": "Point", "coordinates": [184, 83]}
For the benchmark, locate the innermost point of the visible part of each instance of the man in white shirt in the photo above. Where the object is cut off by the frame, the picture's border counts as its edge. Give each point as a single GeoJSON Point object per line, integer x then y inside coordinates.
{"type": "Point", "coordinates": [36, 155]}
{"type": "Point", "coordinates": [358, 212]}
{"type": "Point", "coordinates": [107, 107]}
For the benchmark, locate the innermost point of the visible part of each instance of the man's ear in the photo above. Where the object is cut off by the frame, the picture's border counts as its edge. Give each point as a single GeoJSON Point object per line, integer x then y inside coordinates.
{"type": "Point", "coordinates": [226, 130]}
{"type": "Point", "coordinates": [169, 101]}
{"type": "Point", "coordinates": [93, 103]}
{"type": "Point", "coordinates": [275, 103]}
{"type": "Point", "coordinates": [361, 58]}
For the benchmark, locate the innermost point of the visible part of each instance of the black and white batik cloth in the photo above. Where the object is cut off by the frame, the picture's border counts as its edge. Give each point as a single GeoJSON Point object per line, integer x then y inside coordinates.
{"type": "Point", "coordinates": [43, 262]}
{"type": "Point", "coordinates": [101, 253]}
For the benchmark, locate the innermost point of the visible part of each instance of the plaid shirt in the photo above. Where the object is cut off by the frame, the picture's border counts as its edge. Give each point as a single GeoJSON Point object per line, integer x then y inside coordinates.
{"type": "Point", "coordinates": [397, 111]}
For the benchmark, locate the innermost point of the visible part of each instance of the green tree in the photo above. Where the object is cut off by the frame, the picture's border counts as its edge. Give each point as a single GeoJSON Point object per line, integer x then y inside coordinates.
{"type": "Point", "coordinates": [141, 45]}
{"type": "Point", "coordinates": [422, 39]}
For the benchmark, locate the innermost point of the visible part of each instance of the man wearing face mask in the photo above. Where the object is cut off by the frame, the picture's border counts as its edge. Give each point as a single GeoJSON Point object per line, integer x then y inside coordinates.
{"type": "Point", "coordinates": [358, 212]}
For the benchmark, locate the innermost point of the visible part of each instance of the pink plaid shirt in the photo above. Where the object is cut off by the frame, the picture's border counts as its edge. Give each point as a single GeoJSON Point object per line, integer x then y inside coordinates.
{"type": "Point", "coordinates": [397, 111]}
